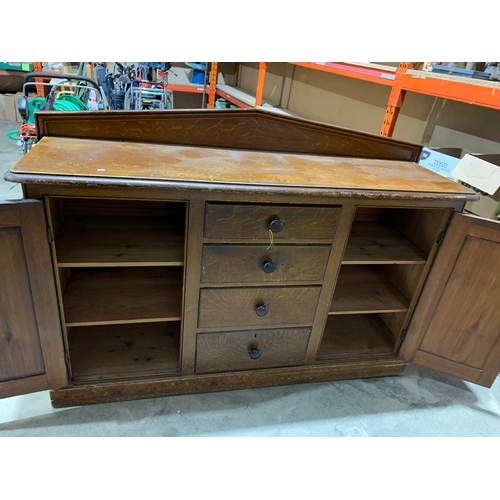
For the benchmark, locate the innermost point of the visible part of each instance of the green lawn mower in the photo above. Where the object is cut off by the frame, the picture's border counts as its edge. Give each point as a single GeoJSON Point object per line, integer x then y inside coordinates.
{"type": "Point", "coordinates": [62, 93]}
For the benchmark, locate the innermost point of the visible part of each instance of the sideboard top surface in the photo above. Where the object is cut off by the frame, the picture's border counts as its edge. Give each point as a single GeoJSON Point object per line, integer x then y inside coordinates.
{"type": "Point", "coordinates": [93, 160]}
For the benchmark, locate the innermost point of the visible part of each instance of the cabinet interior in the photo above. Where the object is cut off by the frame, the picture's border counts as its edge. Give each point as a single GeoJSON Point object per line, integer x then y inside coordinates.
{"type": "Point", "coordinates": [385, 263]}
{"type": "Point", "coordinates": [120, 274]}
{"type": "Point", "coordinates": [120, 268]}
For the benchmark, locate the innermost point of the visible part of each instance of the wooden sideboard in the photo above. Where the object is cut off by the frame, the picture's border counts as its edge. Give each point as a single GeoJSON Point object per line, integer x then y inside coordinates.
{"type": "Point", "coordinates": [184, 252]}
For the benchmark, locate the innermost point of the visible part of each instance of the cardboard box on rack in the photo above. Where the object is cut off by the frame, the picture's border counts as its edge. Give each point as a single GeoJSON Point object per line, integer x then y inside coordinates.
{"type": "Point", "coordinates": [482, 173]}
{"type": "Point", "coordinates": [8, 107]}
{"type": "Point", "coordinates": [477, 170]}
{"type": "Point", "coordinates": [487, 206]}
{"type": "Point", "coordinates": [15, 98]}
{"type": "Point", "coordinates": [442, 160]}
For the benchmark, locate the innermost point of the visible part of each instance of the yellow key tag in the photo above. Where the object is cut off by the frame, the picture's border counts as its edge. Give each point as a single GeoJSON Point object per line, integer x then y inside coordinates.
{"type": "Point", "coordinates": [271, 239]}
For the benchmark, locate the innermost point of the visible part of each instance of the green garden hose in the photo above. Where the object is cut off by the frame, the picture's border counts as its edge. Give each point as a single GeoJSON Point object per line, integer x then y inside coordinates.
{"type": "Point", "coordinates": [64, 102]}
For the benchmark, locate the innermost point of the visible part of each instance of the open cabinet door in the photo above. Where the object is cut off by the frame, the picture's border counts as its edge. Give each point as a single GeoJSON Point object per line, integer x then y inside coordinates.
{"type": "Point", "coordinates": [456, 325]}
{"type": "Point", "coordinates": [31, 346]}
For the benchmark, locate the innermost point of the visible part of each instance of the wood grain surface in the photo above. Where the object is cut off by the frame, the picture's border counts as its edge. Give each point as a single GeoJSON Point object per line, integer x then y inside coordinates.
{"type": "Point", "coordinates": [421, 227]}
{"type": "Point", "coordinates": [246, 221]}
{"type": "Point", "coordinates": [456, 325]}
{"type": "Point", "coordinates": [191, 283]}
{"type": "Point", "coordinates": [123, 295]}
{"type": "Point", "coordinates": [233, 128]}
{"type": "Point", "coordinates": [20, 351]}
{"type": "Point", "coordinates": [117, 351]}
{"type": "Point", "coordinates": [375, 243]}
{"type": "Point", "coordinates": [10, 215]}
{"type": "Point", "coordinates": [117, 207]}
{"type": "Point", "coordinates": [31, 347]}
{"type": "Point", "coordinates": [365, 289]}
{"type": "Point", "coordinates": [120, 160]}
{"type": "Point", "coordinates": [329, 283]}
{"type": "Point", "coordinates": [355, 336]}
{"type": "Point", "coordinates": [104, 241]}
{"type": "Point", "coordinates": [93, 393]}
{"type": "Point", "coordinates": [228, 351]}
{"type": "Point", "coordinates": [244, 263]}
{"type": "Point", "coordinates": [235, 307]}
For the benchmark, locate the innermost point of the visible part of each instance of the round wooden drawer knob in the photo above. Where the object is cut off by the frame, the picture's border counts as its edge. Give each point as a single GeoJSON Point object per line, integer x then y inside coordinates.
{"type": "Point", "coordinates": [275, 224]}
{"type": "Point", "coordinates": [254, 352]}
{"type": "Point", "coordinates": [261, 309]}
{"type": "Point", "coordinates": [269, 266]}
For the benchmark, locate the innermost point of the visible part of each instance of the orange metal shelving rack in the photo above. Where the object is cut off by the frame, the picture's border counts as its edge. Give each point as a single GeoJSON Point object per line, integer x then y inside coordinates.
{"type": "Point", "coordinates": [401, 80]}
{"type": "Point", "coordinates": [214, 91]}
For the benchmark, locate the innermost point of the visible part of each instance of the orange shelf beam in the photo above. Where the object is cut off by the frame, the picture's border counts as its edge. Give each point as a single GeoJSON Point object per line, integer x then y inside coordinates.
{"type": "Point", "coordinates": [185, 87]}
{"type": "Point", "coordinates": [234, 100]}
{"type": "Point", "coordinates": [470, 93]}
{"type": "Point", "coordinates": [352, 71]}
{"type": "Point", "coordinates": [258, 93]}
{"type": "Point", "coordinates": [401, 81]}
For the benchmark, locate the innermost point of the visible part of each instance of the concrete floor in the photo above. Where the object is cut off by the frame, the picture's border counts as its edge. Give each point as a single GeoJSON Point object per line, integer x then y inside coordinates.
{"type": "Point", "coordinates": [419, 403]}
{"type": "Point", "coordinates": [10, 152]}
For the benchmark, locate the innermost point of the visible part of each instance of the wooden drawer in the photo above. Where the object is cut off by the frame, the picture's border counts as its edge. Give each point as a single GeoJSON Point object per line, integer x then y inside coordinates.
{"type": "Point", "coordinates": [257, 263]}
{"type": "Point", "coordinates": [227, 221]}
{"type": "Point", "coordinates": [237, 307]}
{"type": "Point", "coordinates": [231, 351]}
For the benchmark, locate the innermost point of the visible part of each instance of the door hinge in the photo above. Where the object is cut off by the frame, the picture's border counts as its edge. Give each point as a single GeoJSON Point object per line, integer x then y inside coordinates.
{"type": "Point", "coordinates": [49, 235]}
{"type": "Point", "coordinates": [440, 238]}
{"type": "Point", "coordinates": [403, 334]}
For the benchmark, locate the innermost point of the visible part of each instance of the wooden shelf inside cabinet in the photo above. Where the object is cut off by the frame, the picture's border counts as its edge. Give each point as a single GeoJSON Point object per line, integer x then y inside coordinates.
{"type": "Point", "coordinates": [117, 351]}
{"type": "Point", "coordinates": [376, 243]}
{"type": "Point", "coordinates": [364, 289]}
{"type": "Point", "coordinates": [123, 295]}
{"type": "Point", "coordinates": [355, 336]}
{"type": "Point", "coordinates": [103, 241]}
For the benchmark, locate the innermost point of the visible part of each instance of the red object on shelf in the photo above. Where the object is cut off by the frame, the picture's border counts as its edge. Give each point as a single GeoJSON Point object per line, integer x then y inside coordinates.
{"type": "Point", "coordinates": [186, 87]}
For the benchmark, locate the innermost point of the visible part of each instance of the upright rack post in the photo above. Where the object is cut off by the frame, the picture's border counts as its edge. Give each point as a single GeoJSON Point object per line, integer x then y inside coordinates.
{"type": "Point", "coordinates": [213, 85]}
{"type": "Point", "coordinates": [260, 84]}
{"type": "Point", "coordinates": [395, 102]}
{"type": "Point", "coordinates": [37, 67]}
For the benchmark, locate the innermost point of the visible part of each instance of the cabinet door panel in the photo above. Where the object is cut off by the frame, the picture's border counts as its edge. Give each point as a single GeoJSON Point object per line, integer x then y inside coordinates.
{"type": "Point", "coordinates": [31, 349]}
{"type": "Point", "coordinates": [456, 325]}
{"type": "Point", "coordinates": [20, 351]}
